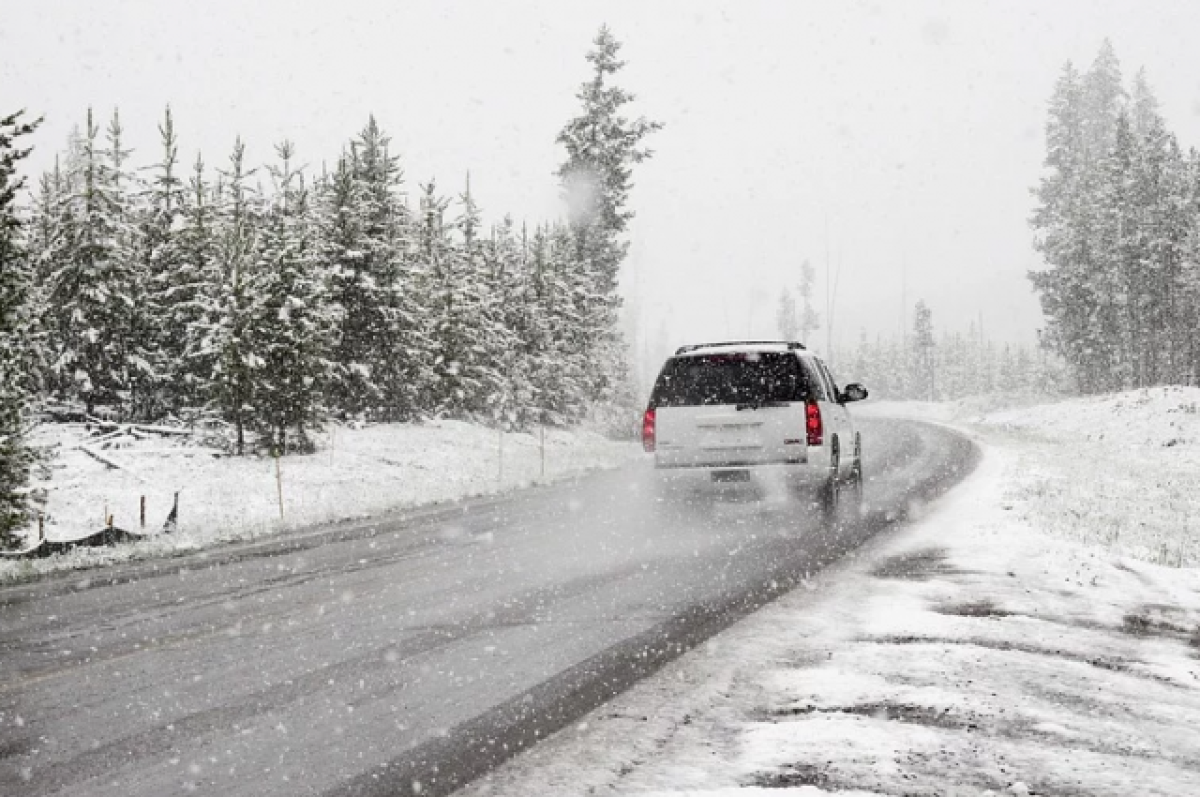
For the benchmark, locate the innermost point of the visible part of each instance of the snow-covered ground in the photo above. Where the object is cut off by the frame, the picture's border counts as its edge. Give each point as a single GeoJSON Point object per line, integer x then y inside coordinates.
{"type": "Point", "coordinates": [1119, 471]}
{"type": "Point", "coordinates": [1033, 634]}
{"type": "Point", "coordinates": [357, 472]}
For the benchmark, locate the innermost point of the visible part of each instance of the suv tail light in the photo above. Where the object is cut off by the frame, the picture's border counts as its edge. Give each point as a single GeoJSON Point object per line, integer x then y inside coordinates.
{"type": "Point", "coordinates": [812, 423]}
{"type": "Point", "coordinates": [648, 430]}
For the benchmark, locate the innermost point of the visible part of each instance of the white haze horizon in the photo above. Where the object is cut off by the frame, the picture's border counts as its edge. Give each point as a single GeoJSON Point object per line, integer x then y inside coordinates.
{"type": "Point", "coordinates": [893, 145]}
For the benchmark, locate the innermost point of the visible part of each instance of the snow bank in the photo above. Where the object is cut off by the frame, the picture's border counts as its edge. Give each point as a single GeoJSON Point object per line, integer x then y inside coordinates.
{"type": "Point", "coordinates": [1161, 417]}
{"type": "Point", "coordinates": [1119, 471]}
{"type": "Point", "coordinates": [357, 472]}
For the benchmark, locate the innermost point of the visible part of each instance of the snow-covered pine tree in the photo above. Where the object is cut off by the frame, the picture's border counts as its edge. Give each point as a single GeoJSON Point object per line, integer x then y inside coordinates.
{"type": "Point", "coordinates": [506, 306]}
{"type": "Point", "coordinates": [20, 340]}
{"type": "Point", "coordinates": [48, 243]}
{"type": "Point", "coordinates": [555, 371]}
{"type": "Point", "coordinates": [1187, 303]}
{"type": "Point", "coordinates": [49, 224]}
{"type": "Point", "coordinates": [1102, 97]}
{"type": "Point", "coordinates": [161, 223]}
{"type": "Point", "coordinates": [450, 278]}
{"type": "Point", "coordinates": [1007, 379]}
{"type": "Point", "coordinates": [292, 321]}
{"type": "Point", "coordinates": [857, 364]}
{"type": "Point", "coordinates": [91, 288]}
{"type": "Point", "coordinates": [923, 351]}
{"type": "Point", "coordinates": [809, 320]}
{"type": "Point", "coordinates": [367, 245]}
{"type": "Point", "coordinates": [340, 242]}
{"type": "Point", "coordinates": [192, 294]}
{"type": "Point", "coordinates": [953, 366]}
{"type": "Point", "coordinates": [787, 323]}
{"type": "Point", "coordinates": [1118, 263]}
{"type": "Point", "coordinates": [1161, 188]}
{"type": "Point", "coordinates": [140, 339]}
{"type": "Point", "coordinates": [1079, 294]}
{"type": "Point", "coordinates": [533, 328]}
{"type": "Point", "coordinates": [226, 342]}
{"type": "Point", "coordinates": [523, 323]}
{"type": "Point", "coordinates": [566, 387]}
{"type": "Point", "coordinates": [602, 147]}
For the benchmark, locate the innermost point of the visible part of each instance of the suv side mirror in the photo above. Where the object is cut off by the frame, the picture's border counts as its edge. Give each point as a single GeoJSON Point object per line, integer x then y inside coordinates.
{"type": "Point", "coordinates": [853, 392]}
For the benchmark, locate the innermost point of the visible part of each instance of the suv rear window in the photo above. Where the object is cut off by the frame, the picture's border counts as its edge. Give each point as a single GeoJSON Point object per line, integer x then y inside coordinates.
{"type": "Point", "coordinates": [737, 378]}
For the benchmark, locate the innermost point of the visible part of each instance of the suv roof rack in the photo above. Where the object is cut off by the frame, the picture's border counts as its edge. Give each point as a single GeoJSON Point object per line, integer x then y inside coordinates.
{"type": "Point", "coordinates": [791, 344]}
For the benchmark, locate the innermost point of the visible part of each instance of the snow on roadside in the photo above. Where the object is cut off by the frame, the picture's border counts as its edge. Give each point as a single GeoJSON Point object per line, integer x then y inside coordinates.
{"type": "Point", "coordinates": [356, 473]}
{"type": "Point", "coordinates": [1121, 471]}
{"type": "Point", "coordinates": [972, 653]}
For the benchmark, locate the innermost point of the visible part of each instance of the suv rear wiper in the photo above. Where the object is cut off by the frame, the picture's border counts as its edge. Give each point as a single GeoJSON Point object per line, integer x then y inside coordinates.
{"type": "Point", "coordinates": [754, 405]}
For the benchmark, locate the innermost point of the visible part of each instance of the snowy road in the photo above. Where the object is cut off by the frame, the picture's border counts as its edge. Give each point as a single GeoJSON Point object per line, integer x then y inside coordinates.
{"type": "Point", "coordinates": [419, 651]}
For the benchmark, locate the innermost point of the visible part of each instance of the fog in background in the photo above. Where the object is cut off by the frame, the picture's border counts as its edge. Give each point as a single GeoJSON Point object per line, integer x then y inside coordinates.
{"type": "Point", "coordinates": [893, 144]}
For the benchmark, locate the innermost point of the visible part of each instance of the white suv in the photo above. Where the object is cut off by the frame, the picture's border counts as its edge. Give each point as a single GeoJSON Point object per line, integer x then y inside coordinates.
{"type": "Point", "coordinates": [736, 408]}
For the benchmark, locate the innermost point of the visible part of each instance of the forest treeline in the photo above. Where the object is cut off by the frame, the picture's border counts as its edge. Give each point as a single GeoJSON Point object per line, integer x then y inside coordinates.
{"type": "Point", "coordinates": [928, 365]}
{"type": "Point", "coordinates": [270, 298]}
{"type": "Point", "coordinates": [1118, 224]}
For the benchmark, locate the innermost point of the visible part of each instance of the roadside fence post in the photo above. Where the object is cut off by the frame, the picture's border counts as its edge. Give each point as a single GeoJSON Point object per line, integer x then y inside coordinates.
{"type": "Point", "coordinates": [143, 512]}
{"type": "Point", "coordinates": [279, 485]}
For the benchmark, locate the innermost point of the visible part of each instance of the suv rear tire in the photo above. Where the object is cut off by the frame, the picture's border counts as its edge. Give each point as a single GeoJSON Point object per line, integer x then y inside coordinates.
{"type": "Point", "coordinates": [831, 491]}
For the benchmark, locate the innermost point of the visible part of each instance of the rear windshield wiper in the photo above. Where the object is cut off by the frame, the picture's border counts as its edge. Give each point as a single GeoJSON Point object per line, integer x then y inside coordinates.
{"type": "Point", "coordinates": [754, 405]}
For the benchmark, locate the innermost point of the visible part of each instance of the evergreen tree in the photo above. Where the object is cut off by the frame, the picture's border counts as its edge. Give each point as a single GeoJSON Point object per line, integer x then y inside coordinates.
{"type": "Point", "coordinates": [551, 349]}
{"type": "Point", "coordinates": [368, 243]}
{"type": "Point", "coordinates": [566, 381]}
{"type": "Point", "coordinates": [1115, 224]}
{"type": "Point", "coordinates": [226, 340]}
{"type": "Point", "coordinates": [786, 321]}
{"type": "Point", "coordinates": [92, 288]}
{"type": "Point", "coordinates": [20, 341]}
{"type": "Point", "coordinates": [923, 346]}
{"type": "Point", "coordinates": [190, 297]}
{"type": "Point", "coordinates": [452, 279]}
{"type": "Point", "coordinates": [505, 378]}
{"type": "Point", "coordinates": [139, 331]}
{"type": "Point", "coordinates": [1161, 190]}
{"type": "Point", "coordinates": [1187, 288]}
{"type": "Point", "coordinates": [291, 324]}
{"type": "Point", "coordinates": [48, 245]}
{"type": "Point", "coordinates": [809, 321]}
{"type": "Point", "coordinates": [341, 247]}
{"type": "Point", "coordinates": [160, 336]}
{"type": "Point", "coordinates": [1102, 98]}
{"type": "Point", "coordinates": [602, 147]}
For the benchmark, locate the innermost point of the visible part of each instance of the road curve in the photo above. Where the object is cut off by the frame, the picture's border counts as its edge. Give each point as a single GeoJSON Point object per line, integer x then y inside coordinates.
{"type": "Point", "coordinates": [409, 652]}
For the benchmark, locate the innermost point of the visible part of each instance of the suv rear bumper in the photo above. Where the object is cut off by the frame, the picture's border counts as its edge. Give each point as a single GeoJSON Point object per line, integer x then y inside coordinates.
{"type": "Point", "coordinates": [802, 473]}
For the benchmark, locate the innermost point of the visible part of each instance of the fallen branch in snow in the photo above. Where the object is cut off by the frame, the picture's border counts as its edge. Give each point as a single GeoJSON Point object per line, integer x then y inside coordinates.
{"type": "Point", "coordinates": [103, 438]}
{"type": "Point", "coordinates": [164, 430]}
{"type": "Point", "coordinates": [96, 455]}
{"type": "Point", "coordinates": [112, 427]}
{"type": "Point", "coordinates": [137, 431]}
{"type": "Point", "coordinates": [189, 451]}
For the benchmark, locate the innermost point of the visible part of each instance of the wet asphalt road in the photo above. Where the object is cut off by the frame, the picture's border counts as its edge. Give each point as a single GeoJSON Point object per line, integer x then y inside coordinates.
{"type": "Point", "coordinates": [426, 648]}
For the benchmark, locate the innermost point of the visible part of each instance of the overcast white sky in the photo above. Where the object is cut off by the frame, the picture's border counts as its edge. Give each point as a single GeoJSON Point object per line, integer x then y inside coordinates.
{"type": "Point", "coordinates": [912, 131]}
